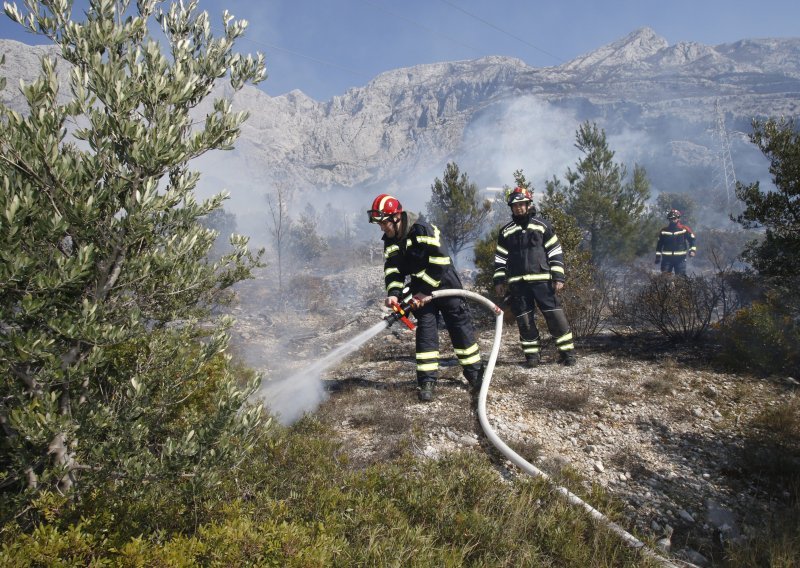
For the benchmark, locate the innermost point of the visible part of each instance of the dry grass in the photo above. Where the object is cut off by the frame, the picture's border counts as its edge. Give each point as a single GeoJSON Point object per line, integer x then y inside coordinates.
{"type": "Point", "coordinates": [659, 386]}
{"type": "Point", "coordinates": [620, 393]}
{"type": "Point", "coordinates": [554, 397]}
{"type": "Point", "coordinates": [781, 421]}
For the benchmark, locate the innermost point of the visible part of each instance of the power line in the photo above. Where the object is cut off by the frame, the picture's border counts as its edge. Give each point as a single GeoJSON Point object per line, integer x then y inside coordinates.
{"type": "Point", "coordinates": [502, 31]}
{"type": "Point", "coordinates": [423, 26]}
{"type": "Point", "coordinates": [309, 57]}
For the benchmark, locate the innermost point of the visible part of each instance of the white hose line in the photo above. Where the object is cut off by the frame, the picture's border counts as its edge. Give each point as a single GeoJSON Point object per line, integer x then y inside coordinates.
{"type": "Point", "coordinates": [518, 460]}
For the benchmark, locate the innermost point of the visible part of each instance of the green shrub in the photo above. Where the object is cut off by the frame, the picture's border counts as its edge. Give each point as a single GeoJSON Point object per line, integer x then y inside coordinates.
{"type": "Point", "coordinates": [763, 338]}
{"type": "Point", "coordinates": [297, 503]}
{"type": "Point", "coordinates": [484, 262]}
{"type": "Point", "coordinates": [114, 388]}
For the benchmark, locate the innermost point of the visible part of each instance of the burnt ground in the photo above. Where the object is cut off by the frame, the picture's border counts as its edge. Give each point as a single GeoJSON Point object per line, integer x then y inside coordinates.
{"type": "Point", "coordinates": [683, 447]}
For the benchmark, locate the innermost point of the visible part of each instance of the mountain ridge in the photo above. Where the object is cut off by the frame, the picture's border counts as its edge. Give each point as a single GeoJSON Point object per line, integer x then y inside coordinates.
{"type": "Point", "coordinates": [400, 128]}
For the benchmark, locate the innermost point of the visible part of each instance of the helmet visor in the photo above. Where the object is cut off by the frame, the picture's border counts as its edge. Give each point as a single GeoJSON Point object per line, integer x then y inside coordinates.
{"type": "Point", "coordinates": [378, 216]}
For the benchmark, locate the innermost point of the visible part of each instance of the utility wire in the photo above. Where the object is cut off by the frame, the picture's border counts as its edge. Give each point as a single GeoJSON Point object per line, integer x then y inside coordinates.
{"type": "Point", "coordinates": [423, 26]}
{"type": "Point", "coordinates": [502, 31]}
{"type": "Point", "coordinates": [309, 57]}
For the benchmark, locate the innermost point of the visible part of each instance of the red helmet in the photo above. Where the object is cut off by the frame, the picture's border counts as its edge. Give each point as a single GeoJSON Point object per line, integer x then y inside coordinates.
{"type": "Point", "coordinates": [384, 207]}
{"type": "Point", "coordinates": [519, 195]}
{"type": "Point", "coordinates": [673, 214]}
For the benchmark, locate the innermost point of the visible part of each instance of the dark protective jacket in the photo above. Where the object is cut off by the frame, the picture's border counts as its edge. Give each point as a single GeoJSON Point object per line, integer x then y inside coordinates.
{"type": "Point", "coordinates": [675, 239]}
{"type": "Point", "coordinates": [528, 250]}
{"type": "Point", "coordinates": [418, 253]}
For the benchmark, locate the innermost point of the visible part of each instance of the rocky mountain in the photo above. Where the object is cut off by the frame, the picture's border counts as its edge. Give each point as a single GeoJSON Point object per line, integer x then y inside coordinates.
{"type": "Point", "coordinates": [658, 103]}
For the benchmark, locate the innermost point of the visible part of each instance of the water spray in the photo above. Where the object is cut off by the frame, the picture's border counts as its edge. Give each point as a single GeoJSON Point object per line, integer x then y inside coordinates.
{"type": "Point", "coordinates": [304, 391]}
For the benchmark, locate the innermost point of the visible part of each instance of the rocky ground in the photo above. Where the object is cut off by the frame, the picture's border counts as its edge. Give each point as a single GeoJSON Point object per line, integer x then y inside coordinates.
{"type": "Point", "coordinates": [680, 445]}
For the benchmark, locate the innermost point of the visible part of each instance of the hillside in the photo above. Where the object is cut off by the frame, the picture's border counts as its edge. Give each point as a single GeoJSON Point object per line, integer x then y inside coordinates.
{"type": "Point", "coordinates": [678, 443]}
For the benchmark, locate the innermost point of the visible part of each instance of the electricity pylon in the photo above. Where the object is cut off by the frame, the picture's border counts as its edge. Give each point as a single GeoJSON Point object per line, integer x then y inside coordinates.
{"type": "Point", "coordinates": [724, 174]}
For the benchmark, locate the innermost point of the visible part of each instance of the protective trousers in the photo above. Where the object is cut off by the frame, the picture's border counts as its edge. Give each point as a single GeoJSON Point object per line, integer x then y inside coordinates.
{"type": "Point", "coordinates": [462, 334]}
{"type": "Point", "coordinates": [524, 298]}
{"type": "Point", "coordinates": [676, 264]}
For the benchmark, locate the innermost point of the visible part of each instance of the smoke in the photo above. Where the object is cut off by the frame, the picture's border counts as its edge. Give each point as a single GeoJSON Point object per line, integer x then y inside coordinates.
{"type": "Point", "coordinates": [524, 133]}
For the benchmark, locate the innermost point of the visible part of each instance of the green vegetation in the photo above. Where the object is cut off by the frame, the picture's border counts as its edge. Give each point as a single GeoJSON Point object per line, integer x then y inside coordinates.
{"type": "Point", "coordinates": [456, 209]}
{"type": "Point", "coordinates": [778, 212]}
{"type": "Point", "coordinates": [299, 504]}
{"type": "Point", "coordinates": [764, 336]}
{"type": "Point", "coordinates": [484, 261]}
{"type": "Point", "coordinates": [116, 392]}
{"type": "Point", "coordinates": [610, 210]}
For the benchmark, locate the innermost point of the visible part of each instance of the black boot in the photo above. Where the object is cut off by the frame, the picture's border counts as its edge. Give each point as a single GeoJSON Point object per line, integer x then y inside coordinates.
{"type": "Point", "coordinates": [475, 378]}
{"type": "Point", "coordinates": [532, 361]}
{"type": "Point", "coordinates": [567, 358]}
{"type": "Point", "coordinates": [426, 391]}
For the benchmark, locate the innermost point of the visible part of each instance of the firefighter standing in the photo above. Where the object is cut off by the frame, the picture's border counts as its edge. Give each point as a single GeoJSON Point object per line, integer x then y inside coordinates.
{"type": "Point", "coordinates": [413, 249]}
{"type": "Point", "coordinates": [675, 242]}
{"type": "Point", "coordinates": [529, 262]}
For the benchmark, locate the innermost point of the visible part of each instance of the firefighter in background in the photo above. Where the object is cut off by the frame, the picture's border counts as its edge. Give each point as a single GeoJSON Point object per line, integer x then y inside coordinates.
{"type": "Point", "coordinates": [413, 249]}
{"type": "Point", "coordinates": [675, 242]}
{"type": "Point", "coordinates": [529, 264]}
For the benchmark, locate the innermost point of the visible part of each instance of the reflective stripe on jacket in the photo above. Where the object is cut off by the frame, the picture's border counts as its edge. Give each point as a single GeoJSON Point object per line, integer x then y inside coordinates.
{"type": "Point", "coordinates": [528, 252]}
{"type": "Point", "coordinates": [419, 253]}
{"type": "Point", "coordinates": [675, 239]}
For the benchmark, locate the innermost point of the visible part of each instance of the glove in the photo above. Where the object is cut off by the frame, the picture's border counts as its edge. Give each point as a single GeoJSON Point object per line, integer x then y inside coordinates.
{"type": "Point", "coordinates": [658, 259]}
{"type": "Point", "coordinates": [419, 300]}
{"type": "Point", "coordinates": [500, 290]}
{"type": "Point", "coordinates": [691, 253]}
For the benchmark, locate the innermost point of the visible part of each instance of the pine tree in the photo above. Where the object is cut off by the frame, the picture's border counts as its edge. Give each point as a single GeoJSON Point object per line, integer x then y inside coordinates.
{"type": "Point", "coordinates": [456, 209]}
{"type": "Point", "coordinates": [610, 210]}
{"type": "Point", "coordinates": [114, 376]}
{"type": "Point", "coordinates": [778, 212]}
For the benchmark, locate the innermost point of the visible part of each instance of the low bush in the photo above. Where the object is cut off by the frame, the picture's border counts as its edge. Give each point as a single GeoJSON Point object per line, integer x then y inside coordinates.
{"type": "Point", "coordinates": [680, 308]}
{"type": "Point", "coordinates": [763, 338]}
{"type": "Point", "coordinates": [309, 293]}
{"type": "Point", "coordinates": [585, 299]}
{"type": "Point", "coordinates": [297, 503]}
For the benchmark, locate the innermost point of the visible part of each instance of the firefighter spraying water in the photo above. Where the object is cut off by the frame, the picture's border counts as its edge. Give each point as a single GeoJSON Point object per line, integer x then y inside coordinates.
{"type": "Point", "coordinates": [414, 251]}
{"type": "Point", "coordinates": [401, 312]}
{"type": "Point", "coordinates": [403, 302]}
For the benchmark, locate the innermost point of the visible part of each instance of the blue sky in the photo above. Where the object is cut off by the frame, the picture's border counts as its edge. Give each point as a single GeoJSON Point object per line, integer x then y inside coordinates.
{"type": "Point", "coordinates": [324, 47]}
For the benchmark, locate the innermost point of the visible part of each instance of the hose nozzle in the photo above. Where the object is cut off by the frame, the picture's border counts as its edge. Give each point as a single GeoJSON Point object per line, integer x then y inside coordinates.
{"type": "Point", "coordinates": [400, 313]}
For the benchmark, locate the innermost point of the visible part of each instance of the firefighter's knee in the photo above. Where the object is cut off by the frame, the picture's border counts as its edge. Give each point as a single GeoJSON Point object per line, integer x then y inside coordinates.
{"type": "Point", "coordinates": [527, 324]}
{"type": "Point", "coordinates": [557, 323]}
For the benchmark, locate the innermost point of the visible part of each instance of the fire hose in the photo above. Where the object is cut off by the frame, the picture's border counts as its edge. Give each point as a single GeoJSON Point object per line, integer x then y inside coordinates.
{"type": "Point", "coordinates": [400, 314]}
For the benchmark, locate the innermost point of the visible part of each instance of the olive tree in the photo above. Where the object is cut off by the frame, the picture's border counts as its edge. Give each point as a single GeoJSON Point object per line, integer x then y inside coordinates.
{"type": "Point", "coordinates": [113, 373]}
